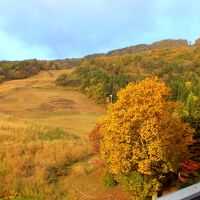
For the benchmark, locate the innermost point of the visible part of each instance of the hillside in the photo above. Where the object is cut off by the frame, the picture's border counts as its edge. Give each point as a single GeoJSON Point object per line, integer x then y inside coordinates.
{"type": "Point", "coordinates": [12, 70]}
{"type": "Point", "coordinates": [144, 47]}
{"type": "Point", "coordinates": [168, 43]}
{"type": "Point", "coordinates": [48, 109]}
{"type": "Point", "coordinates": [107, 74]}
{"type": "Point", "coordinates": [39, 100]}
{"type": "Point", "coordinates": [179, 67]}
{"type": "Point", "coordinates": [43, 133]}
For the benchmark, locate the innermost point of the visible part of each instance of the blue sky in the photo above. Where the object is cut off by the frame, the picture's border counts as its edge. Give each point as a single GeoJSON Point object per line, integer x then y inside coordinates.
{"type": "Point", "coordinates": [51, 29]}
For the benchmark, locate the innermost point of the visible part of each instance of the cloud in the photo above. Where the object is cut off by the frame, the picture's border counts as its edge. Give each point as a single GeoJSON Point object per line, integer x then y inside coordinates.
{"type": "Point", "coordinates": [13, 49]}
{"type": "Point", "coordinates": [73, 28]}
{"type": "Point", "coordinates": [178, 19]}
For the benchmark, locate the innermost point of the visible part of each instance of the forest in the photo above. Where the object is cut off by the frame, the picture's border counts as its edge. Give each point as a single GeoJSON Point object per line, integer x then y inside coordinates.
{"type": "Point", "coordinates": [12, 70]}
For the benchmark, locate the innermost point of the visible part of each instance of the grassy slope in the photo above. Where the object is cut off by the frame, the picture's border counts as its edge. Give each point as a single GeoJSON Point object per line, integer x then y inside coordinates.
{"type": "Point", "coordinates": [38, 99]}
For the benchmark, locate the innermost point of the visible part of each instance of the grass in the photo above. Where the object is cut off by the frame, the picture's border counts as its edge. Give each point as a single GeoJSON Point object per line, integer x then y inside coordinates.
{"type": "Point", "coordinates": [38, 99]}
{"type": "Point", "coordinates": [43, 137]}
{"type": "Point", "coordinates": [34, 157]}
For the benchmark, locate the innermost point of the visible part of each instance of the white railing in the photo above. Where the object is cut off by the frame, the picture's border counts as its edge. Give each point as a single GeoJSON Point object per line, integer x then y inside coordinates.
{"type": "Point", "coordinates": [189, 193]}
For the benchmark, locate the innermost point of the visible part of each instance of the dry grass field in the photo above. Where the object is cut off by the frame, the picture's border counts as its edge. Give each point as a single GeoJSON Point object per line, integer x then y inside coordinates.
{"type": "Point", "coordinates": [39, 100]}
{"type": "Point", "coordinates": [33, 158]}
{"type": "Point", "coordinates": [44, 152]}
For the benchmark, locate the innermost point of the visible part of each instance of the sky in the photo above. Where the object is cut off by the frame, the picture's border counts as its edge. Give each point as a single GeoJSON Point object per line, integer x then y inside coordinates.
{"type": "Point", "coordinates": [57, 29]}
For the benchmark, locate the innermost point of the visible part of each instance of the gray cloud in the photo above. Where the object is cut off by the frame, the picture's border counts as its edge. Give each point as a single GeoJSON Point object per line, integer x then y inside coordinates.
{"type": "Point", "coordinates": [70, 28]}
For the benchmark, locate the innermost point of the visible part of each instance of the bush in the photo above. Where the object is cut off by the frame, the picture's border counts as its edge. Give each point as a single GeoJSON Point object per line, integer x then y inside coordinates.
{"type": "Point", "coordinates": [62, 79]}
{"type": "Point", "coordinates": [66, 80]}
{"type": "Point", "coordinates": [55, 134]}
{"type": "Point", "coordinates": [139, 186]}
{"type": "Point", "coordinates": [109, 180]}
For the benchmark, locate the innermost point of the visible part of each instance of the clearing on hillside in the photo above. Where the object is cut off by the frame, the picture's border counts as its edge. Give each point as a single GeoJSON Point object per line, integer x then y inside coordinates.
{"type": "Point", "coordinates": [38, 99]}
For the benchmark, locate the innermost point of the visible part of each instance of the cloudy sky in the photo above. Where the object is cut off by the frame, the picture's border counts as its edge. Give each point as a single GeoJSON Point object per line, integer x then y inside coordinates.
{"type": "Point", "coordinates": [49, 29]}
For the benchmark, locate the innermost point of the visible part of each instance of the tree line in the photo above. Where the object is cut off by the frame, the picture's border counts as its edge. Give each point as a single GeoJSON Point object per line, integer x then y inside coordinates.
{"type": "Point", "coordinates": [11, 70]}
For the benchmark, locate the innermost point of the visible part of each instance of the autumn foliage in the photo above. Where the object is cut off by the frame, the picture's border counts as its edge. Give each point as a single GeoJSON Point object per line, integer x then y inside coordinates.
{"type": "Point", "coordinates": [141, 134]}
{"type": "Point", "coordinates": [190, 165]}
{"type": "Point", "coordinates": [95, 138]}
{"type": "Point", "coordinates": [189, 170]}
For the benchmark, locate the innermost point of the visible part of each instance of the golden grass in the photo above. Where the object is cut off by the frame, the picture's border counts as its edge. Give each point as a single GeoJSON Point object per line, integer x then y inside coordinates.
{"type": "Point", "coordinates": [30, 164]}
{"type": "Point", "coordinates": [43, 132]}
{"type": "Point", "coordinates": [39, 100]}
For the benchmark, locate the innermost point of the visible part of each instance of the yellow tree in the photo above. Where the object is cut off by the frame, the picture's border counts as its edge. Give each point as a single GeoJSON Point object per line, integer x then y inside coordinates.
{"type": "Point", "coordinates": [141, 134]}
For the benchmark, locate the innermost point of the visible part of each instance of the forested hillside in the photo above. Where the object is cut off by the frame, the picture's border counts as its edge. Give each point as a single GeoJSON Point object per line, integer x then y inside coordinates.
{"type": "Point", "coordinates": [179, 67]}
{"type": "Point", "coordinates": [145, 47]}
{"type": "Point", "coordinates": [175, 66]}
{"type": "Point", "coordinates": [10, 70]}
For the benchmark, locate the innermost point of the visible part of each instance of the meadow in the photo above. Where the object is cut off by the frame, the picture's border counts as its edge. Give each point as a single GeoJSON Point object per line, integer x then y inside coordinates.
{"type": "Point", "coordinates": [39, 100]}
{"type": "Point", "coordinates": [43, 140]}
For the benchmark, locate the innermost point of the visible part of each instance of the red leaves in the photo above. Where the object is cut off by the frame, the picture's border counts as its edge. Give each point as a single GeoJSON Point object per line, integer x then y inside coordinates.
{"type": "Point", "coordinates": [182, 180]}
{"type": "Point", "coordinates": [189, 165]}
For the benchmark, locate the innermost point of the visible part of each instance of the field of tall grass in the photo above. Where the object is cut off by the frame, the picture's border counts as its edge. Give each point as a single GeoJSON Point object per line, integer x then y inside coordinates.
{"type": "Point", "coordinates": [32, 158]}
{"type": "Point", "coordinates": [43, 139]}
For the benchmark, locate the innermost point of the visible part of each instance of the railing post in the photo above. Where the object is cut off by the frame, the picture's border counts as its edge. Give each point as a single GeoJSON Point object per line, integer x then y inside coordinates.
{"type": "Point", "coordinates": [189, 193]}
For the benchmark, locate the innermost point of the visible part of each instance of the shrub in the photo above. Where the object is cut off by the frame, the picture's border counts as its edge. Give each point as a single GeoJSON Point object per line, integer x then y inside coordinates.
{"type": "Point", "coordinates": [138, 186]}
{"type": "Point", "coordinates": [66, 80]}
{"type": "Point", "coordinates": [109, 180]}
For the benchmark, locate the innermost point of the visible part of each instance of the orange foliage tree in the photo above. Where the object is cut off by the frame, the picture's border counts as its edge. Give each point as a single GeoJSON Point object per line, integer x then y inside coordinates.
{"type": "Point", "coordinates": [141, 134]}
